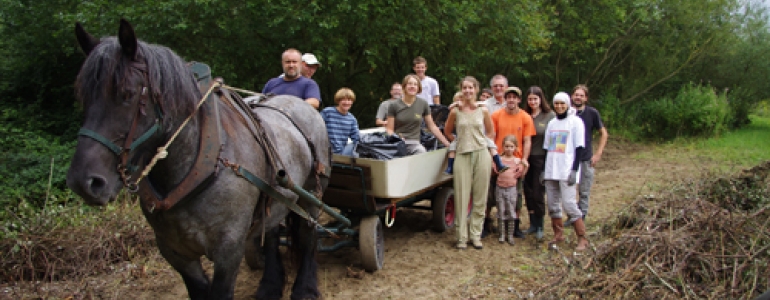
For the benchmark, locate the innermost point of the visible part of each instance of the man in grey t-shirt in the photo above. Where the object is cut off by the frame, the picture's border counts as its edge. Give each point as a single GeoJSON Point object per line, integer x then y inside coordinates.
{"type": "Point", "coordinates": [396, 92]}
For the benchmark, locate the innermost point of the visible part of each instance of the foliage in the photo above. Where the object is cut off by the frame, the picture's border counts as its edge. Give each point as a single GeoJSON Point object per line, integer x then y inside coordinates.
{"type": "Point", "coordinates": [33, 166]}
{"type": "Point", "coordinates": [695, 111]}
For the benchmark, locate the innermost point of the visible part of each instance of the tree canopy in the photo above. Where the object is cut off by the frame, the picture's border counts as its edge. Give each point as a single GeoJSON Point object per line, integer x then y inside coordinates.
{"type": "Point", "coordinates": [628, 49]}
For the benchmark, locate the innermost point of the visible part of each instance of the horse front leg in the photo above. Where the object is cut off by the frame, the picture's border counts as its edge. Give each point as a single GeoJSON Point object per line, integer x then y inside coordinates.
{"type": "Point", "coordinates": [194, 277]}
{"type": "Point", "coordinates": [305, 238]}
{"type": "Point", "coordinates": [274, 275]}
{"type": "Point", "coordinates": [227, 260]}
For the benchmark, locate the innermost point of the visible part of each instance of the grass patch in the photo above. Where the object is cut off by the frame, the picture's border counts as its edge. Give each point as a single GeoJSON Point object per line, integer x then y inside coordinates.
{"type": "Point", "coordinates": [746, 146]}
{"type": "Point", "coordinates": [732, 150]}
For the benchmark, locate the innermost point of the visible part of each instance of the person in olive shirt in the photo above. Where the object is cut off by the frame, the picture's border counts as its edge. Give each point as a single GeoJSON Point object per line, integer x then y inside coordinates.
{"type": "Point", "coordinates": [405, 116]}
{"type": "Point", "coordinates": [534, 191]}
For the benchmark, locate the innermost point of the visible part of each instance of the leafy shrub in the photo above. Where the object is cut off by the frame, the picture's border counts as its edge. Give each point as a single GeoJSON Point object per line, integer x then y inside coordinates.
{"type": "Point", "coordinates": [695, 111]}
{"type": "Point", "coordinates": [742, 102]}
{"type": "Point", "coordinates": [28, 161]}
{"type": "Point", "coordinates": [617, 117]}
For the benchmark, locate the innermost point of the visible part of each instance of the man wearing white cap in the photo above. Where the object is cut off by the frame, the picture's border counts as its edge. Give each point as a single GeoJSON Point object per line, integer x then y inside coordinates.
{"type": "Point", "coordinates": [310, 64]}
{"type": "Point", "coordinates": [292, 83]}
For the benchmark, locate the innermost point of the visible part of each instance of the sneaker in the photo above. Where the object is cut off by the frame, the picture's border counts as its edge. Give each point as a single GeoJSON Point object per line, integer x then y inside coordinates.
{"type": "Point", "coordinates": [477, 244]}
{"type": "Point", "coordinates": [462, 245]}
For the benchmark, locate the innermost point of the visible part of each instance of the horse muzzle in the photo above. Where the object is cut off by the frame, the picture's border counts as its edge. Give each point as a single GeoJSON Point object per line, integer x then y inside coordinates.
{"type": "Point", "coordinates": [89, 176]}
{"type": "Point", "coordinates": [94, 189]}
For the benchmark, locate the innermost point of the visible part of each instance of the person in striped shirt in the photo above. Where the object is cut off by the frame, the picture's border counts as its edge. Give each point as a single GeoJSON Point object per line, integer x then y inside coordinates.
{"type": "Point", "coordinates": [341, 125]}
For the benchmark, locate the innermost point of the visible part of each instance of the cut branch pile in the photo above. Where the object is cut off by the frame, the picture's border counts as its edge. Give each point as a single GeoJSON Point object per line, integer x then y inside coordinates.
{"type": "Point", "coordinates": [45, 254]}
{"type": "Point", "coordinates": [702, 239]}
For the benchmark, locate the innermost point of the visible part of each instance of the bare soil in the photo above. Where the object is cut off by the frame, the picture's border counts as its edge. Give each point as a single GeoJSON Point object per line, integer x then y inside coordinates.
{"type": "Point", "coordinates": [419, 263]}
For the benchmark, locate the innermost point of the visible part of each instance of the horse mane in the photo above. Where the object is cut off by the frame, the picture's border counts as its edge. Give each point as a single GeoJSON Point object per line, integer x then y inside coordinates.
{"type": "Point", "coordinates": [105, 70]}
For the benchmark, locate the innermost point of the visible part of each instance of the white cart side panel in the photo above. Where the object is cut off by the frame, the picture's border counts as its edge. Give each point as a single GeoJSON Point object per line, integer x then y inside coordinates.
{"type": "Point", "coordinates": [400, 177]}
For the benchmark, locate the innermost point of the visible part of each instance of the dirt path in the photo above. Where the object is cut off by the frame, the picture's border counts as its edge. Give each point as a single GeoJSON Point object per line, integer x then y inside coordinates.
{"type": "Point", "coordinates": [422, 264]}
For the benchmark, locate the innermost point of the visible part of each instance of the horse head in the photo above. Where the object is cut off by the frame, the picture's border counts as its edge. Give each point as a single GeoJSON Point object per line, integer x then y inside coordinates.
{"type": "Point", "coordinates": [121, 86]}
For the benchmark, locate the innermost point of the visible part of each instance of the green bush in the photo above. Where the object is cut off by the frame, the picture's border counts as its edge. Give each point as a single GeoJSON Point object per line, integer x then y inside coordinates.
{"type": "Point", "coordinates": [742, 103]}
{"type": "Point", "coordinates": [28, 161]}
{"type": "Point", "coordinates": [695, 111]}
{"type": "Point", "coordinates": [617, 117]}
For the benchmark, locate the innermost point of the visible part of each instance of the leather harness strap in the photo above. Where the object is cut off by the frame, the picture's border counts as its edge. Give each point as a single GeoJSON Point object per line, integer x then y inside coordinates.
{"type": "Point", "coordinates": [204, 169]}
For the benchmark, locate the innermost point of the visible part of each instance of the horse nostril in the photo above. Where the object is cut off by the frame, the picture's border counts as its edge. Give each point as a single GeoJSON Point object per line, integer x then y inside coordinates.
{"type": "Point", "coordinates": [96, 185]}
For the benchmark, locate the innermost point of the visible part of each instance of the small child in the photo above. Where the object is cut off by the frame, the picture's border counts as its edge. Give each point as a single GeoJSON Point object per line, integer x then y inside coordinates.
{"type": "Point", "coordinates": [453, 145]}
{"type": "Point", "coordinates": [505, 194]}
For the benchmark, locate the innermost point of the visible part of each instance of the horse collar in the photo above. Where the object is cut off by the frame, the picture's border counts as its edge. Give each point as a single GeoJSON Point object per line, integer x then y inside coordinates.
{"type": "Point", "coordinates": [203, 170]}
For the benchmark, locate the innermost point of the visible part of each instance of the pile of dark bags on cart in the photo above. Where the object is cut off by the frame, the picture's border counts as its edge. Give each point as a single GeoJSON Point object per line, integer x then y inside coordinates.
{"type": "Point", "coordinates": [380, 146]}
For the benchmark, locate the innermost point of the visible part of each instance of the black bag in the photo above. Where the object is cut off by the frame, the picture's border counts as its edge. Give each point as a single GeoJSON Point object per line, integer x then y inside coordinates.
{"type": "Point", "coordinates": [439, 113]}
{"type": "Point", "coordinates": [378, 146]}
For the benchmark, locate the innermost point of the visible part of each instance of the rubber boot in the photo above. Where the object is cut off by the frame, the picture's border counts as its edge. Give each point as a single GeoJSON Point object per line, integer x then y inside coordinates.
{"type": "Point", "coordinates": [516, 232]}
{"type": "Point", "coordinates": [499, 164]}
{"type": "Point", "coordinates": [580, 230]}
{"type": "Point", "coordinates": [501, 228]}
{"type": "Point", "coordinates": [511, 229]}
{"type": "Point", "coordinates": [450, 166]}
{"type": "Point", "coordinates": [558, 230]}
{"type": "Point", "coordinates": [540, 229]}
{"type": "Point", "coordinates": [532, 225]}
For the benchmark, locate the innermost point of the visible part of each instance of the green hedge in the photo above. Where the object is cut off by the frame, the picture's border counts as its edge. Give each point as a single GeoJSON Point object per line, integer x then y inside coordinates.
{"type": "Point", "coordinates": [696, 111]}
{"type": "Point", "coordinates": [28, 161]}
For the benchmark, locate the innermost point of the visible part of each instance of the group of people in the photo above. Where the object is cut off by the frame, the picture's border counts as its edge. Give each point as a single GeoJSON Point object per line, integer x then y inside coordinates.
{"type": "Point", "coordinates": [544, 150]}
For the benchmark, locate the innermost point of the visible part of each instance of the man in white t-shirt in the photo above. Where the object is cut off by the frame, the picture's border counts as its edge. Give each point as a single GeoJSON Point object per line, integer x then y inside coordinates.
{"type": "Point", "coordinates": [430, 91]}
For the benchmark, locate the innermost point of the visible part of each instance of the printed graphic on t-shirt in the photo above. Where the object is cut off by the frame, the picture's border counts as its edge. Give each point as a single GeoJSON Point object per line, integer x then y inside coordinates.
{"type": "Point", "coordinates": [417, 116]}
{"type": "Point", "coordinates": [558, 141]}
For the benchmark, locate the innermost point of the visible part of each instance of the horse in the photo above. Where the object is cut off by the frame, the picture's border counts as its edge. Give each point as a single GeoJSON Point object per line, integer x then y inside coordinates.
{"type": "Point", "coordinates": [198, 200]}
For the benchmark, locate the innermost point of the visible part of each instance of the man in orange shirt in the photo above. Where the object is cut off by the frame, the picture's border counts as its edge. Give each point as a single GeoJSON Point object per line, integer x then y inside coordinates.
{"type": "Point", "coordinates": [514, 120]}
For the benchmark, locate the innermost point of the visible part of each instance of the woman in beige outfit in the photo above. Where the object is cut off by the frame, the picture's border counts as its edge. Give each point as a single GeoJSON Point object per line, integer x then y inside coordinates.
{"type": "Point", "coordinates": [473, 164]}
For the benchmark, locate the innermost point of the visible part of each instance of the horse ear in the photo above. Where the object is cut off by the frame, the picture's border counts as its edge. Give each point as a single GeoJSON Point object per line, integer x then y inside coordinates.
{"type": "Point", "coordinates": [86, 41]}
{"type": "Point", "coordinates": [127, 39]}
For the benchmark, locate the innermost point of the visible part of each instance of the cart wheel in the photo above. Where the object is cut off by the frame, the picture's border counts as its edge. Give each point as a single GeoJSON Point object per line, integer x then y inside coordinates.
{"type": "Point", "coordinates": [371, 243]}
{"type": "Point", "coordinates": [255, 258]}
{"type": "Point", "coordinates": [444, 209]}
